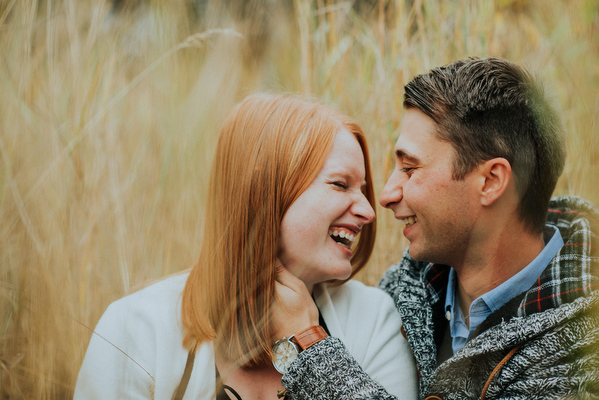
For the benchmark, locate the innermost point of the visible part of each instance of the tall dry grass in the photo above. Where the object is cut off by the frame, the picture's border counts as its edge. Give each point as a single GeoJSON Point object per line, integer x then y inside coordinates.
{"type": "Point", "coordinates": [108, 123]}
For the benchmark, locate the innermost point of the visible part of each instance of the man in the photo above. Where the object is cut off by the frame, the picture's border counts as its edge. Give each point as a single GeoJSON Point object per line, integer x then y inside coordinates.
{"type": "Point", "coordinates": [498, 296]}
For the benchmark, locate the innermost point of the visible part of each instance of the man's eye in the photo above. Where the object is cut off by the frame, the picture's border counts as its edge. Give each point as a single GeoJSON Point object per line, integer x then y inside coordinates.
{"type": "Point", "coordinates": [407, 170]}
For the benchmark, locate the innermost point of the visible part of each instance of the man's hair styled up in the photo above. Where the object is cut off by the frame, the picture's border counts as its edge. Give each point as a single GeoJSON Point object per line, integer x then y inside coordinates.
{"type": "Point", "coordinates": [489, 108]}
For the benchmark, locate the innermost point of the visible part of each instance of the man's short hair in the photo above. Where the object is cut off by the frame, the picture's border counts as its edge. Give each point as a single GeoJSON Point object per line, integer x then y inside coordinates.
{"type": "Point", "coordinates": [489, 108]}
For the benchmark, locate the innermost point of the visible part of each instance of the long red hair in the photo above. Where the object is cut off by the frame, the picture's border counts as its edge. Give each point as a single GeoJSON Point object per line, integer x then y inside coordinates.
{"type": "Point", "coordinates": [269, 151]}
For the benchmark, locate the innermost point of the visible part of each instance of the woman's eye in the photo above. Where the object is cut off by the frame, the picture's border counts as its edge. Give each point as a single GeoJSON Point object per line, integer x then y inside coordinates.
{"type": "Point", "coordinates": [340, 185]}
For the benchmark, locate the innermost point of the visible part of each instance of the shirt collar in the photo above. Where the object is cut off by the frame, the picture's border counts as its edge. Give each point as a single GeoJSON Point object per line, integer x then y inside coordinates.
{"type": "Point", "coordinates": [526, 278]}
{"type": "Point", "coordinates": [494, 299]}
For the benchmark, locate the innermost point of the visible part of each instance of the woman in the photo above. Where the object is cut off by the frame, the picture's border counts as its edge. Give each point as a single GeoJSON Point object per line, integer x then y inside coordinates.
{"type": "Point", "coordinates": [291, 183]}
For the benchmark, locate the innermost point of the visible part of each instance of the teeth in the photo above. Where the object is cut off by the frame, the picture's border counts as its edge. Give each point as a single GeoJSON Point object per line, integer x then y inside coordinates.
{"type": "Point", "coordinates": [409, 221]}
{"type": "Point", "coordinates": [343, 234]}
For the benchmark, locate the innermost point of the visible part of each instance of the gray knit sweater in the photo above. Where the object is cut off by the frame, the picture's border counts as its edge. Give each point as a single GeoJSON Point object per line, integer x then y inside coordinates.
{"type": "Point", "coordinates": [552, 329]}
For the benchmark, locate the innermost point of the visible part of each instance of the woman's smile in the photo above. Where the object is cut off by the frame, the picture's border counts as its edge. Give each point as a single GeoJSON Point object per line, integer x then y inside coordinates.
{"type": "Point", "coordinates": [333, 207]}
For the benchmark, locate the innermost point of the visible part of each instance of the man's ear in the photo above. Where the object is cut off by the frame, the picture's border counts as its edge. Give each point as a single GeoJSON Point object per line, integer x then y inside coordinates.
{"type": "Point", "coordinates": [496, 175]}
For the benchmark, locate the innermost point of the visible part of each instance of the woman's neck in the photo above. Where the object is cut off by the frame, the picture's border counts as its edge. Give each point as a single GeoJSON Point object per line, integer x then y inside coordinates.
{"type": "Point", "coordinates": [253, 383]}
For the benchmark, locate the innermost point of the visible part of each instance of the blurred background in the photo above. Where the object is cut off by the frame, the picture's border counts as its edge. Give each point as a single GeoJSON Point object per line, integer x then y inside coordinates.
{"type": "Point", "coordinates": [109, 111]}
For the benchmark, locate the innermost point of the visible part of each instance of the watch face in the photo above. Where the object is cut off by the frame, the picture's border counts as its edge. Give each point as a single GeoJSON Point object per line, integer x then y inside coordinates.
{"type": "Point", "coordinates": [285, 352]}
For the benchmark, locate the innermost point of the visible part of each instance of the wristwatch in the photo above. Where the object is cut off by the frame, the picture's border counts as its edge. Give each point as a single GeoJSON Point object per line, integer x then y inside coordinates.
{"type": "Point", "coordinates": [286, 350]}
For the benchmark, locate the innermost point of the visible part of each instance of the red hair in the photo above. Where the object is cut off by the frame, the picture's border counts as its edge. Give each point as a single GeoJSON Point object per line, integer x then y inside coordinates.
{"type": "Point", "coordinates": [269, 151]}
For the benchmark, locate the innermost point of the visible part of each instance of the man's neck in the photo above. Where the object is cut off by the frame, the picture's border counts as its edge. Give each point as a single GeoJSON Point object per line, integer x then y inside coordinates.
{"type": "Point", "coordinates": [500, 257]}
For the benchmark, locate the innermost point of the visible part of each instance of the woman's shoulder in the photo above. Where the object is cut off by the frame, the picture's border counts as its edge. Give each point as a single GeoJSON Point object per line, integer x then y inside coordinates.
{"type": "Point", "coordinates": [137, 339]}
{"type": "Point", "coordinates": [168, 286]}
{"type": "Point", "coordinates": [357, 290]}
{"type": "Point", "coordinates": [157, 301]}
{"type": "Point", "coordinates": [356, 298]}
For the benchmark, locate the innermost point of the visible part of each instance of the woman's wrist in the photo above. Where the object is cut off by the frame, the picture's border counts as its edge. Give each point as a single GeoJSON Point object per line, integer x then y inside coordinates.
{"type": "Point", "coordinates": [308, 337]}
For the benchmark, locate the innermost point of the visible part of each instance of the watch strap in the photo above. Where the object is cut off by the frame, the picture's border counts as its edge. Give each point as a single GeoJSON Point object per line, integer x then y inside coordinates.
{"type": "Point", "coordinates": [310, 336]}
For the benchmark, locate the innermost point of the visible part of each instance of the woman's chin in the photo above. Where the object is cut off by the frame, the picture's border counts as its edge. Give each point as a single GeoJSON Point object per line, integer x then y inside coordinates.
{"type": "Point", "coordinates": [339, 275]}
{"type": "Point", "coordinates": [312, 276]}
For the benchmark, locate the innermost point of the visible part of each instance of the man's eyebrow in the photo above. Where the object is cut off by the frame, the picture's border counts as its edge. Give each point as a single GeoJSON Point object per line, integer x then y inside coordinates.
{"type": "Point", "coordinates": [406, 156]}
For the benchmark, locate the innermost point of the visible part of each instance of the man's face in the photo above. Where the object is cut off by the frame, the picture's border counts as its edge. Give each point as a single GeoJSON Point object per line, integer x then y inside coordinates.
{"type": "Point", "coordinates": [438, 212]}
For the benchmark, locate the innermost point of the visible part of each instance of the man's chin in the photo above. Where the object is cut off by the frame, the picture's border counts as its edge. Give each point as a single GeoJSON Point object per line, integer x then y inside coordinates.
{"type": "Point", "coordinates": [416, 254]}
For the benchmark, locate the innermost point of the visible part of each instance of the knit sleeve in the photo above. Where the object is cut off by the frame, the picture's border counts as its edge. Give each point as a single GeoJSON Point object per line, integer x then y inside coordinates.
{"type": "Point", "coordinates": [327, 371]}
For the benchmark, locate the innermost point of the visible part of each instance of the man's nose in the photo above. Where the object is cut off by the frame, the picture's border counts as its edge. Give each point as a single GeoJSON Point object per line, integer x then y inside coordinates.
{"type": "Point", "coordinates": [392, 193]}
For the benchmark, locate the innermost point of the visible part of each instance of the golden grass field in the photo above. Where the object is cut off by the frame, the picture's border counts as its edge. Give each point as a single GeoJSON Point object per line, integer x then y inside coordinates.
{"type": "Point", "coordinates": [108, 122]}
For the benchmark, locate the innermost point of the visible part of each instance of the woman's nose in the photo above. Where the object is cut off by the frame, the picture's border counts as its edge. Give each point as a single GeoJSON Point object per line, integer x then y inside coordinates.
{"type": "Point", "coordinates": [364, 210]}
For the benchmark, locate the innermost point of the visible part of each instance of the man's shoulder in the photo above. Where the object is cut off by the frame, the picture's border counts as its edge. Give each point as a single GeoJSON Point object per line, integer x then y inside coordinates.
{"type": "Point", "coordinates": [407, 265]}
{"type": "Point", "coordinates": [409, 275]}
{"type": "Point", "coordinates": [572, 214]}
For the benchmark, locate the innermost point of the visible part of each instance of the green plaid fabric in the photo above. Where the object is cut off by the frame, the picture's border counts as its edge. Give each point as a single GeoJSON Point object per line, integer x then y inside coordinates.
{"type": "Point", "coordinates": [573, 271]}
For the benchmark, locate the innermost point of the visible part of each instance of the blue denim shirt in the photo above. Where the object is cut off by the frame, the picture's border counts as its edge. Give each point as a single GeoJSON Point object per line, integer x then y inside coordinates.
{"type": "Point", "coordinates": [491, 301]}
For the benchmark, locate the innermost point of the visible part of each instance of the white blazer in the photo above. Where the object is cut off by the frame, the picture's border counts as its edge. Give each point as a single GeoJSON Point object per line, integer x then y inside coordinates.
{"type": "Point", "coordinates": [136, 350]}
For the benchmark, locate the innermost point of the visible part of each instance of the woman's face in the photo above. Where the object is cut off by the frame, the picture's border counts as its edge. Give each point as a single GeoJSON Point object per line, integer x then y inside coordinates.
{"type": "Point", "coordinates": [320, 226]}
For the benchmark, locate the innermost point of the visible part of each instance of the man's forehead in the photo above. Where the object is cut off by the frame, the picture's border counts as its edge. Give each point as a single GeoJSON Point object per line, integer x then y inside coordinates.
{"type": "Point", "coordinates": [420, 145]}
{"type": "Point", "coordinates": [412, 142]}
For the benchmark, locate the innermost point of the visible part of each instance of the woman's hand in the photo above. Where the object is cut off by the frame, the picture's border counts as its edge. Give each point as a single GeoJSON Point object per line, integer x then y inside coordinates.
{"type": "Point", "coordinates": [294, 309]}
